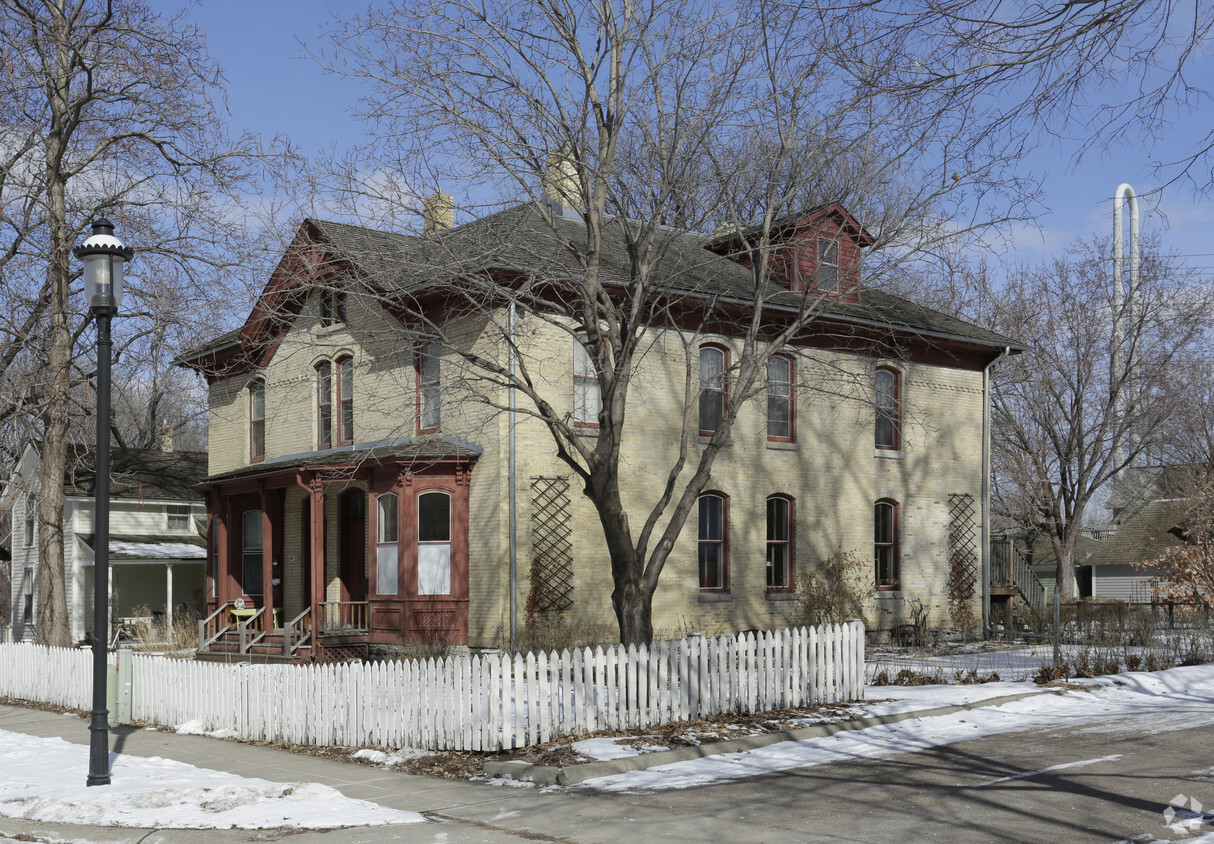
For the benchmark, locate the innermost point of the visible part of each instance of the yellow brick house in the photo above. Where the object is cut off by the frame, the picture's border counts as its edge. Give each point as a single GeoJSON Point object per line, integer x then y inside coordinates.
{"type": "Point", "coordinates": [366, 487]}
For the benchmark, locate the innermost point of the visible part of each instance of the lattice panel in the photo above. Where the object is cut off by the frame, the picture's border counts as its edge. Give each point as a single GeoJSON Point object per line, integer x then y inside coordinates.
{"type": "Point", "coordinates": [962, 557]}
{"type": "Point", "coordinates": [551, 550]}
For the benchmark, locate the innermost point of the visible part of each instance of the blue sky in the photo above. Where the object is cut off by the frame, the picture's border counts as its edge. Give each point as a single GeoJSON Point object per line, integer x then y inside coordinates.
{"type": "Point", "coordinates": [273, 89]}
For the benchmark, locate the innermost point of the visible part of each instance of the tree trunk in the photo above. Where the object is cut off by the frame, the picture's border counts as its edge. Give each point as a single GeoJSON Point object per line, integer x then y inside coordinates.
{"type": "Point", "coordinates": [633, 611]}
{"type": "Point", "coordinates": [1065, 572]}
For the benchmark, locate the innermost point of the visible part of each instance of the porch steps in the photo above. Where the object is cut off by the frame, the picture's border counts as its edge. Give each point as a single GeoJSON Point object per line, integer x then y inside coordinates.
{"type": "Point", "coordinates": [268, 650]}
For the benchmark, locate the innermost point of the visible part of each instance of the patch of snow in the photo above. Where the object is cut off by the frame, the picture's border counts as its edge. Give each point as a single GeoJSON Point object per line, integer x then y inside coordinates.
{"type": "Point", "coordinates": [43, 779]}
{"type": "Point", "coordinates": [604, 749]}
{"type": "Point", "coordinates": [375, 757]}
{"type": "Point", "coordinates": [1124, 696]}
{"type": "Point", "coordinates": [384, 759]}
{"type": "Point", "coordinates": [196, 728]}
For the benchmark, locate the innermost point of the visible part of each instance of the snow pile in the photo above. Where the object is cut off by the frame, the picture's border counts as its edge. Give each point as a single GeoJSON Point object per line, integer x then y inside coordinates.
{"type": "Point", "coordinates": [43, 779]}
{"type": "Point", "coordinates": [607, 748]}
{"type": "Point", "coordinates": [196, 728]}
{"type": "Point", "coordinates": [383, 759]}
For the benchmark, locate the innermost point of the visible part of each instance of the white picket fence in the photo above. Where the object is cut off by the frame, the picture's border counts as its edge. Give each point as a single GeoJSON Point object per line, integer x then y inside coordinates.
{"type": "Point", "coordinates": [482, 702]}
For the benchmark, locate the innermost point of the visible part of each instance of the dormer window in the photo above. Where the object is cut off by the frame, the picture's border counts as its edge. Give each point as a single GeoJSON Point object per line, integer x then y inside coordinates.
{"type": "Point", "coordinates": [826, 277]}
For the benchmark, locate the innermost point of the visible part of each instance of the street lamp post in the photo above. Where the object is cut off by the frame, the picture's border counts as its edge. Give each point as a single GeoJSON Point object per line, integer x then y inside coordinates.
{"type": "Point", "coordinates": [103, 256]}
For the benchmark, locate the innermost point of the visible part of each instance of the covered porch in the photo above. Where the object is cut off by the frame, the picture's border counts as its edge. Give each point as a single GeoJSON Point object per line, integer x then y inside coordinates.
{"type": "Point", "coordinates": [323, 556]}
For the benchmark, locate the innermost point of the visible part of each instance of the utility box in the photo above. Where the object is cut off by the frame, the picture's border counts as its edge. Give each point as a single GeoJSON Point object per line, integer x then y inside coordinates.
{"type": "Point", "coordinates": [118, 688]}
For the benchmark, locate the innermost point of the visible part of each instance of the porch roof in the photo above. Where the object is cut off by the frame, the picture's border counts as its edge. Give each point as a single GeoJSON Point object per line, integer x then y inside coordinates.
{"type": "Point", "coordinates": [156, 548]}
{"type": "Point", "coordinates": [419, 455]}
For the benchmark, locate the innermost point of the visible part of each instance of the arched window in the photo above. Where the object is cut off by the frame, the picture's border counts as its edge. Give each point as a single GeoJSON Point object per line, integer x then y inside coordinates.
{"type": "Point", "coordinates": [324, 404]}
{"type": "Point", "coordinates": [429, 396]}
{"type": "Point", "coordinates": [780, 420]}
{"type": "Point", "coordinates": [885, 542]}
{"type": "Point", "coordinates": [780, 513]}
{"type": "Point", "coordinates": [713, 541]}
{"type": "Point", "coordinates": [714, 364]}
{"type": "Point", "coordinates": [387, 532]}
{"type": "Point", "coordinates": [345, 400]}
{"type": "Point", "coordinates": [434, 543]}
{"type": "Point", "coordinates": [888, 408]}
{"type": "Point", "coordinates": [257, 421]}
{"type": "Point", "coordinates": [585, 386]}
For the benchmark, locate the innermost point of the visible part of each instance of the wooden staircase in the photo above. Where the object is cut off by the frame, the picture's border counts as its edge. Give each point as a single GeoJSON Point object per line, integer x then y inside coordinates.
{"type": "Point", "coordinates": [1017, 595]}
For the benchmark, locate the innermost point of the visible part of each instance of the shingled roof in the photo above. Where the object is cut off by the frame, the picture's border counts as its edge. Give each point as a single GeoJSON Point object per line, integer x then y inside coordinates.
{"type": "Point", "coordinates": [138, 473]}
{"type": "Point", "coordinates": [528, 240]}
{"type": "Point", "coordinates": [1146, 535]}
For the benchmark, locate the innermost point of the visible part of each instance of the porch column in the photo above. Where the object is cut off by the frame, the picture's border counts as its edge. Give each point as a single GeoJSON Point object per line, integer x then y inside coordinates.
{"type": "Point", "coordinates": [168, 597]}
{"type": "Point", "coordinates": [223, 592]}
{"type": "Point", "coordinates": [317, 562]}
{"type": "Point", "coordinates": [267, 557]}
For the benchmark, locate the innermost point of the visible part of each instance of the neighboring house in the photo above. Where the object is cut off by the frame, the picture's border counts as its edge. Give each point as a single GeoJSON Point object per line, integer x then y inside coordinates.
{"type": "Point", "coordinates": [1146, 535]}
{"type": "Point", "coordinates": [157, 550]}
{"type": "Point", "coordinates": [1040, 557]}
{"type": "Point", "coordinates": [354, 479]}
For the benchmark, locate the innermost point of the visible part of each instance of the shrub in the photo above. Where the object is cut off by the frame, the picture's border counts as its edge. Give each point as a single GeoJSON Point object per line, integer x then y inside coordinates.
{"type": "Point", "coordinates": [836, 589]}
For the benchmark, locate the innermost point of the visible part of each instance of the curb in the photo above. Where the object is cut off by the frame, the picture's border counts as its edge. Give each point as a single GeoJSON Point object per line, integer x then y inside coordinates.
{"type": "Point", "coordinates": [545, 775]}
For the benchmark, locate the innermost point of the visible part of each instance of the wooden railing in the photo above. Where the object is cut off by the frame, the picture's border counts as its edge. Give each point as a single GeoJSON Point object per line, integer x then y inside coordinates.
{"type": "Point", "coordinates": [343, 617]}
{"type": "Point", "coordinates": [255, 623]}
{"type": "Point", "coordinates": [212, 628]}
{"type": "Point", "coordinates": [1009, 568]}
{"type": "Point", "coordinates": [297, 633]}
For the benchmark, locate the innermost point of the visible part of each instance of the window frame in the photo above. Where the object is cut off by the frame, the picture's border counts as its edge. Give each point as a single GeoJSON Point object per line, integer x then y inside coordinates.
{"type": "Point", "coordinates": [344, 369]}
{"type": "Point", "coordinates": [257, 424]}
{"type": "Point", "coordinates": [332, 307]}
{"type": "Point", "coordinates": [31, 521]}
{"type": "Point", "coordinates": [894, 582]}
{"type": "Point", "coordinates": [449, 542]}
{"type": "Point", "coordinates": [384, 544]}
{"type": "Point", "coordinates": [788, 543]}
{"type": "Point", "coordinates": [248, 551]}
{"type": "Point", "coordinates": [893, 412]}
{"type": "Point", "coordinates": [824, 248]}
{"type": "Point", "coordinates": [169, 515]}
{"type": "Point", "coordinates": [789, 386]}
{"type": "Point", "coordinates": [707, 391]}
{"type": "Point", "coordinates": [585, 383]}
{"type": "Point", "coordinates": [324, 405]}
{"type": "Point", "coordinates": [428, 390]}
{"type": "Point", "coordinates": [722, 543]}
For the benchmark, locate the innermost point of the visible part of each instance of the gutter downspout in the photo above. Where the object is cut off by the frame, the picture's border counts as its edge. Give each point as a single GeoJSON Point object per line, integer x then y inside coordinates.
{"type": "Point", "coordinates": [512, 477]}
{"type": "Point", "coordinates": [986, 488]}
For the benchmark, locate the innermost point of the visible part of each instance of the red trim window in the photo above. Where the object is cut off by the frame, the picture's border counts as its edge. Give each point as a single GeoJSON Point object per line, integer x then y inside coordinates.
{"type": "Point", "coordinates": [250, 553]}
{"type": "Point", "coordinates": [257, 421]}
{"type": "Point", "coordinates": [885, 543]}
{"type": "Point", "coordinates": [429, 394]}
{"type": "Point", "coordinates": [434, 543]}
{"type": "Point", "coordinates": [714, 388]}
{"type": "Point", "coordinates": [387, 551]}
{"type": "Point", "coordinates": [888, 408]}
{"type": "Point", "coordinates": [324, 404]}
{"type": "Point", "coordinates": [585, 386]}
{"type": "Point", "coordinates": [713, 541]}
{"type": "Point", "coordinates": [826, 277]}
{"type": "Point", "coordinates": [780, 514]}
{"type": "Point", "coordinates": [781, 424]}
{"type": "Point", "coordinates": [345, 400]}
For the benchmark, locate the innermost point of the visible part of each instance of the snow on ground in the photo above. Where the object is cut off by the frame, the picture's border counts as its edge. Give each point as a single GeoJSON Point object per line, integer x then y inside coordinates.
{"type": "Point", "coordinates": [1179, 697]}
{"type": "Point", "coordinates": [606, 748]}
{"type": "Point", "coordinates": [43, 779]}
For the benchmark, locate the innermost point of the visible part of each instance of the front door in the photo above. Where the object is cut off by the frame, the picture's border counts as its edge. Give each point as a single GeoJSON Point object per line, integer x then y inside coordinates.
{"type": "Point", "coordinates": [354, 545]}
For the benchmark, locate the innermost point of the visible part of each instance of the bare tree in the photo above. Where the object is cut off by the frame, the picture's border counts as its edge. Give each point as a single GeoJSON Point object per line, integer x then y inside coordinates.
{"type": "Point", "coordinates": [1066, 423]}
{"type": "Point", "coordinates": [656, 114]}
{"type": "Point", "coordinates": [109, 109]}
{"type": "Point", "coordinates": [1185, 573]}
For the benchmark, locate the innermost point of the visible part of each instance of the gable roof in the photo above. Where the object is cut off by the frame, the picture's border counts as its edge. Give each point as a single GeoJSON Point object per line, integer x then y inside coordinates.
{"type": "Point", "coordinates": [532, 240]}
{"type": "Point", "coordinates": [138, 473]}
{"type": "Point", "coordinates": [1145, 535]}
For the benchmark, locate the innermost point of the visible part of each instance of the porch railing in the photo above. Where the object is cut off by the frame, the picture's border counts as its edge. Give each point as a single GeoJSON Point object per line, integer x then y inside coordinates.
{"type": "Point", "coordinates": [1009, 568]}
{"type": "Point", "coordinates": [297, 633]}
{"type": "Point", "coordinates": [212, 628]}
{"type": "Point", "coordinates": [344, 617]}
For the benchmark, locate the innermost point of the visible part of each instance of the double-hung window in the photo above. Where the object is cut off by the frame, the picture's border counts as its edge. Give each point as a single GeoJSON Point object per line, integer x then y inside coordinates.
{"type": "Point", "coordinates": [885, 542]}
{"type": "Point", "coordinates": [827, 276]}
{"type": "Point", "coordinates": [345, 401]}
{"type": "Point", "coordinates": [585, 387]}
{"type": "Point", "coordinates": [780, 420]}
{"type": "Point", "coordinates": [31, 512]}
{"type": "Point", "coordinates": [779, 542]}
{"type": "Point", "coordinates": [888, 389]}
{"type": "Point", "coordinates": [387, 532]}
{"type": "Point", "coordinates": [434, 543]}
{"type": "Point", "coordinates": [429, 393]}
{"type": "Point", "coordinates": [177, 517]}
{"type": "Point", "coordinates": [257, 420]}
{"type": "Point", "coordinates": [324, 404]}
{"type": "Point", "coordinates": [713, 541]}
{"type": "Point", "coordinates": [714, 364]}
{"type": "Point", "coordinates": [332, 307]}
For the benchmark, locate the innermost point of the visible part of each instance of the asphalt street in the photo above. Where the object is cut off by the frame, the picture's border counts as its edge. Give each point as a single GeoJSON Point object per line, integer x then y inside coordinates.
{"type": "Point", "coordinates": [1109, 781]}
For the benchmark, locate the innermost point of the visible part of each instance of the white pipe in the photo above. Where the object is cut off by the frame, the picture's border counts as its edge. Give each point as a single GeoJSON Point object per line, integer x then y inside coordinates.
{"type": "Point", "coordinates": [1119, 368]}
{"type": "Point", "coordinates": [511, 473]}
{"type": "Point", "coordinates": [986, 488]}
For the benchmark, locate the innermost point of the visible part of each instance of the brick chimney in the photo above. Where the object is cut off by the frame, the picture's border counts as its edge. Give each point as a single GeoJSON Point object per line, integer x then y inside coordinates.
{"type": "Point", "coordinates": [164, 437]}
{"type": "Point", "coordinates": [561, 185]}
{"type": "Point", "coordinates": [438, 213]}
